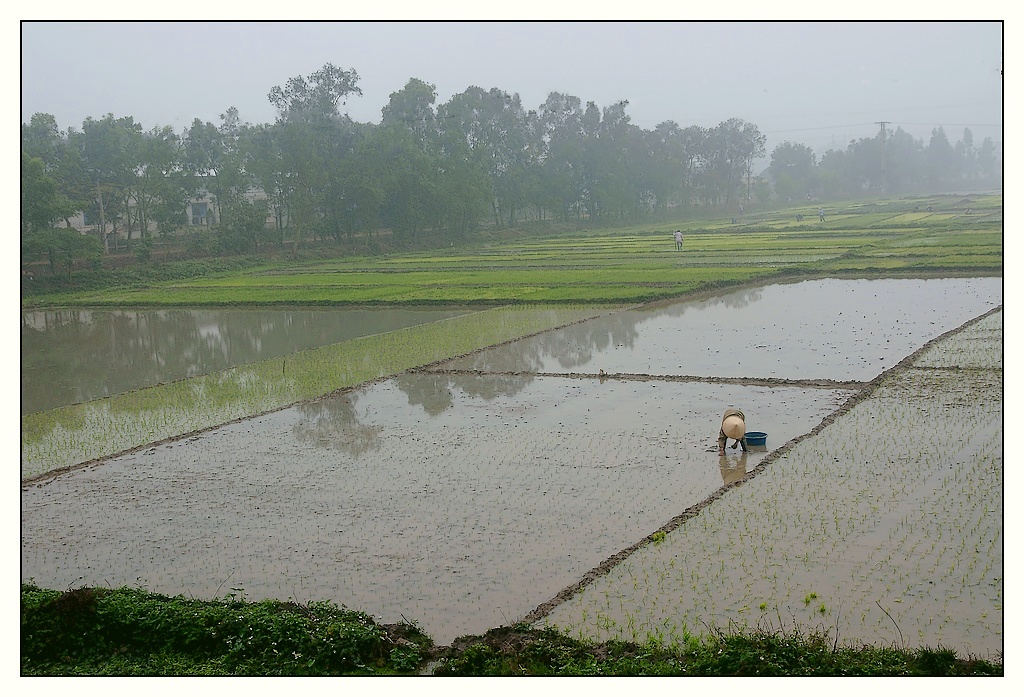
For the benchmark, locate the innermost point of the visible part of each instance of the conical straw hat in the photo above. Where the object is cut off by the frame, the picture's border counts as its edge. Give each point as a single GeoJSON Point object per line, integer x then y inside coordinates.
{"type": "Point", "coordinates": [734, 427]}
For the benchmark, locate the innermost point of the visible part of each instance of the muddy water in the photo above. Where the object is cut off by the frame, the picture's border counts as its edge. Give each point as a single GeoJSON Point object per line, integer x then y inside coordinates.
{"type": "Point", "coordinates": [461, 501]}
{"type": "Point", "coordinates": [823, 329]}
{"type": "Point", "coordinates": [71, 355]}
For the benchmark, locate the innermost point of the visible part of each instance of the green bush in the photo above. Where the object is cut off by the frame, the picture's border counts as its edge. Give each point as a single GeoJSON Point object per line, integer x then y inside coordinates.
{"type": "Point", "coordinates": [124, 631]}
{"type": "Point", "coordinates": [94, 631]}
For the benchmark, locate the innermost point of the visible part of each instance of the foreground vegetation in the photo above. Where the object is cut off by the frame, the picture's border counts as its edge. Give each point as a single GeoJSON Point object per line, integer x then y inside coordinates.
{"type": "Point", "coordinates": [94, 631]}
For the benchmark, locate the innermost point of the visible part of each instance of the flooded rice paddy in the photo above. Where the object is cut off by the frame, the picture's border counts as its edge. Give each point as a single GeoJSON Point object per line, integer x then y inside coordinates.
{"type": "Point", "coordinates": [829, 328]}
{"type": "Point", "coordinates": [897, 538]}
{"type": "Point", "coordinates": [75, 355]}
{"type": "Point", "coordinates": [469, 494]}
{"type": "Point", "coordinates": [69, 436]}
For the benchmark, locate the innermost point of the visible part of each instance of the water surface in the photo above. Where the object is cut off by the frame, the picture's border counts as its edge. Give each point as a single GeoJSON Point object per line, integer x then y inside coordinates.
{"type": "Point", "coordinates": [74, 355]}
{"type": "Point", "coordinates": [822, 329]}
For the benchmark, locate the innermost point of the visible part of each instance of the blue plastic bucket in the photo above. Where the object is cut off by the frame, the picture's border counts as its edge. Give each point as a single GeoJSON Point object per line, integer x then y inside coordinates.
{"type": "Point", "coordinates": [756, 437]}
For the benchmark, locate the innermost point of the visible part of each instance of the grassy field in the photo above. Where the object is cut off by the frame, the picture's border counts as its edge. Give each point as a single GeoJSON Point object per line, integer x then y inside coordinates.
{"type": "Point", "coordinates": [624, 266]}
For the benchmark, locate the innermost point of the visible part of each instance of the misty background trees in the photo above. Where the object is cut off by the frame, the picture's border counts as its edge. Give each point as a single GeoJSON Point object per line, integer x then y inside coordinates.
{"type": "Point", "coordinates": [480, 160]}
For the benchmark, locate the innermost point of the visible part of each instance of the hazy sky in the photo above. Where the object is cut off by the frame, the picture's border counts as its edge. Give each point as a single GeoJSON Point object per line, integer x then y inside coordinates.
{"type": "Point", "coordinates": [821, 84]}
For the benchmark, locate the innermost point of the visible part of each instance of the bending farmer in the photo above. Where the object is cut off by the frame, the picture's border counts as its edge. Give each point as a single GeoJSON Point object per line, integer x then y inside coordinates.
{"type": "Point", "coordinates": [733, 426]}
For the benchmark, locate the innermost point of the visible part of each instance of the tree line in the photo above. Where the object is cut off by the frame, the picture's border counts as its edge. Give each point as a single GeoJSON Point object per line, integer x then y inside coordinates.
{"type": "Point", "coordinates": [447, 169]}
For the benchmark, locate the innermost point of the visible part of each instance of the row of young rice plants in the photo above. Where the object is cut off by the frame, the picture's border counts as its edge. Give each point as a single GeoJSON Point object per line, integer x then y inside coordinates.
{"type": "Point", "coordinates": [600, 283]}
{"type": "Point", "coordinates": [968, 241]}
{"type": "Point", "coordinates": [897, 262]}
{"type": "Point", "coordinates": [882, 528]}
{"type": "Point", "coordinates": [79, 433]}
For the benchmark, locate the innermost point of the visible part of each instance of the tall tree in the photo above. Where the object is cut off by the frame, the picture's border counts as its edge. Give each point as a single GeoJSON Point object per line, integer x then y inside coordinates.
{"type": "Point", "coordinates": [43, 139]}
{"type": "Point", "coordinates": [108, 151]}
{"type": "Point", "coordinates": [162, 187]}
{"type": "Point", "coordinates": [316, 97]}
{"type": "Point", "coordinates": [732, 147]}
{"type": "Point", "coordinates": [42, 201]}
{"type": "Point", "coordinates": [412, 108]}
{"type": "Point", "coordinates": [665, 163]}
{"type": "Point", "coordinates": [904, 160]}
{"type": "Point", "coordinates": [792, 170]}
{"type": "Point", "coordinates": [967, 157]}
{"type": "Point", "coordinates": [309, 128]}
{"type": "Point", "coordinates": [264, 155]}
{"type": "Point", "coordinates": [615, 162]}
{"type": "Point", "coordinates": [989, 164]}
{"type": "Point", "coordinates": [562, 184]}
{"type": "Point", "coordinates": [942, 161]}
{"type": "Point", "coordinates": [43, 204]}
{"type": "Point", "coordinates": [216, 158]}
{"type": "Point", "coordinates": [493, 128]}
{"type": "Point", "coordinates": [406, 180]}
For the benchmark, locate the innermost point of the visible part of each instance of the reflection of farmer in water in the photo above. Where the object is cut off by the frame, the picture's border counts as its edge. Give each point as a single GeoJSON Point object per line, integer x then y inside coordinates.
{"type": "Point", "coordinates": [734, 425]}
{"type": "Point", "coordinates": [733, 467]}
{"type": "Point", "coordinates": [679, 240]}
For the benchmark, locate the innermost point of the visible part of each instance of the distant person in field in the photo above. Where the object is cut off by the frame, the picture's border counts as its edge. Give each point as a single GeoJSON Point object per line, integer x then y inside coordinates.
{"type": "Point", "coordinates": [734, 425]}
{"type": "Point", "coordinates": [679, 240]}
{"type": "Point", "coordinates": [821, 214]}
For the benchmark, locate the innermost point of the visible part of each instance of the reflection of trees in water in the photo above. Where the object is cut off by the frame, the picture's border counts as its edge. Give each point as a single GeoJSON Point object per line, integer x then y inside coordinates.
{"type": "Point", "coordinates": [576, 345]}
{"type": "Point", "coordinates": [84, 355]}
{"type": "Point", "coordinates": [740, 298]}
{"type": "Point", "coordinates": [571, 346]}
{"type": "Point", "coordinates": [334, 424]}
{"type": "Point", "coordinates": [74, 356]}
{"type": "Point", "coordinates": [434, 391]}
{"type": "Point", "coordinates": [428, 390]}
{"type": "Point", "coordinates": [489, 387]}
{"type": "Point", "coordinates": [94, 354]}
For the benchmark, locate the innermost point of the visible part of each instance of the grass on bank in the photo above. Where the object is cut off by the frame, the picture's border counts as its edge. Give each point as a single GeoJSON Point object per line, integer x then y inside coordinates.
{"type": "Point", "coordinates": [131, 632]}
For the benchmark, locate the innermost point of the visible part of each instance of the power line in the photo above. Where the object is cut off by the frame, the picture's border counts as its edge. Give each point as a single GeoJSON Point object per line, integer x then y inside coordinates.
{"type": "Point", "coordinates": [965, 125]}
{"type": "Point", "coordinates": [819, 128]}
{"type": "Point", "coordinates": [869, 123]}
